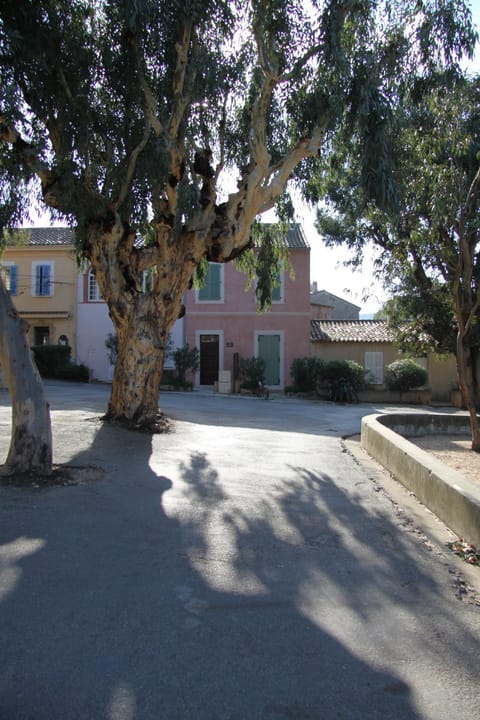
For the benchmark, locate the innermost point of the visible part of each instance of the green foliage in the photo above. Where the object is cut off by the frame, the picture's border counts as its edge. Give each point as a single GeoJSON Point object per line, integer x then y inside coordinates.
{"type": "Point", "coordinates": [310, 374]}
{"type": "Point", "coordinates": [111, 345]}
{"type": "Point", "coordinates": [349, 370]}
{"type": "Point", "coordinates": [306, 373]}
{"type": "Point", "coordinates": [186, 359]}
{"type": "Point", "coordinates": [74, 372]}
{"type": "Point", "coordinates": [427, 240]}
{"type": "Point", "coordinates": [53, 361]}
{"type": "Point", "coordinates": [110, 103]}
{"type": "Point", "coordinates": [266, 259]}
{"type": "Point", "coordinates": [404, 375]}
{"type": "Point", "coordinates": [252, 371]}
{"type": "Point", "coordinates": [51, 358]}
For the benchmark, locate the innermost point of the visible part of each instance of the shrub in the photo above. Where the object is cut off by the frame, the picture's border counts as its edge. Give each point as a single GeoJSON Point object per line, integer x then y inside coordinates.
{"type": "Point", "coordinates": [305, 373]}
{"type": "Point", "coordinates": [111, 345]}
{"type": "Point", "coordinates": [252, 370]}
{"type": "Point", "coordinates": [404, 375]}
{"type": "Point", "coordinates": [72, 371]}
{"type": "Point", "coordinates": [53, 361]}
{"type": "Point", "coordinates": [352, 372]}
{"type": "Point", "coordinates": [186, 359]}
{"type": "Point", "coordinates": [49, 359]}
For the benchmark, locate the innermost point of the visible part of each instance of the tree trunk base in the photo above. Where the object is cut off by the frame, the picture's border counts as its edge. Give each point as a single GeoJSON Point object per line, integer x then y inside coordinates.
{"type": "Point", "coordinates": [154, 425]}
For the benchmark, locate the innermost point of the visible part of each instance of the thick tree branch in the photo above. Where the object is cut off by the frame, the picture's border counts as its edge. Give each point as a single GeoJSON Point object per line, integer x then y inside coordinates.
{"type": "Point", "coordinates": [180, 99]}
{"type": "Point", "coordinates": [131, 166]}
{"type": "Point", "coordinates": [26, 151]}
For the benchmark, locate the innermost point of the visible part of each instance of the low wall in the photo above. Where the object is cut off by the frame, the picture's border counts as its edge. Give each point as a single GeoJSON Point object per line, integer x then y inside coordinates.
{"type": "Point", "coordinates": [453, 498]}
{"type": "Point", "coordinates": [412, 397]}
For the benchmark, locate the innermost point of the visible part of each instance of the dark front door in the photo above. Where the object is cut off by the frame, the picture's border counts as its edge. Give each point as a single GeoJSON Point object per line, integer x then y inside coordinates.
{"type": "Point", "coordinates": [209, 346]}
{"type": "Point", "coordinates": [41, 335]}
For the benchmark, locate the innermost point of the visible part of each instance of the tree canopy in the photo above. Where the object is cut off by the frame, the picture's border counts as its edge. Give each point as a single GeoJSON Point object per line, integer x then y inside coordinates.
{"type": "Point", "coordinates": [430, 235]}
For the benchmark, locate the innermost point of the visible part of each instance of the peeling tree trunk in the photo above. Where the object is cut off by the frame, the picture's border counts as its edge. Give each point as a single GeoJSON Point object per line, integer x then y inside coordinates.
{"type": "Point", "coordinates": [138, 370]}
{"type": "Point", "coordinates": [142, 320]}
{"type": "Point", "coordinates": [31, 442]}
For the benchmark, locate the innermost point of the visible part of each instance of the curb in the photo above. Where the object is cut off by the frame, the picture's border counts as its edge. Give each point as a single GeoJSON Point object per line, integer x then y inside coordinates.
{"type": "Point", "coordinates": [453, 498]}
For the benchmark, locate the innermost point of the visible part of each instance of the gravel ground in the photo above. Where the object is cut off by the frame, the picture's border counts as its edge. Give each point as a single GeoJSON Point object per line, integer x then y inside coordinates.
{"type": "Point", "coordinates": [454, 451]}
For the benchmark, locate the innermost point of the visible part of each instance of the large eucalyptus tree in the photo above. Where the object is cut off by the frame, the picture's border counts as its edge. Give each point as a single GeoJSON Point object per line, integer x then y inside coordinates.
{"type": "Point", "coordinates": [133, 115]}
{"type": "Point", "coordinates": [429, 238]}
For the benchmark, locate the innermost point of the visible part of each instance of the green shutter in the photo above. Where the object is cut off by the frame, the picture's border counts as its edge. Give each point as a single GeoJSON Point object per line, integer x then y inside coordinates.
{"type": "Point", "coordinates": [277, 289]}
{"type": "Point", "coordinates": [269, 350]}
{"type": "Point", "coordinates": [212, 289]}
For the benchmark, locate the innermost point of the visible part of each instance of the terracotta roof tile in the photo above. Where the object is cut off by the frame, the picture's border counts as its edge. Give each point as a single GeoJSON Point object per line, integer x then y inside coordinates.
{"type": "Point", "coordinates": [296, 239]}
{"type": "Point", "coordinates": [350, 331]}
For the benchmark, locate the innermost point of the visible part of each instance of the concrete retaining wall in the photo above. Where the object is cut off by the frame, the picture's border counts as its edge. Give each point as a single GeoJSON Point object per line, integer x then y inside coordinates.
{"type": "Point", "coordinates": [453, 498]}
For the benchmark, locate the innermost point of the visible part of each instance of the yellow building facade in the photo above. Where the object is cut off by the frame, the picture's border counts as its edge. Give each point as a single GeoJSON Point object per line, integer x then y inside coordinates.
{"type": "Point", "coordinates": [39, 268]}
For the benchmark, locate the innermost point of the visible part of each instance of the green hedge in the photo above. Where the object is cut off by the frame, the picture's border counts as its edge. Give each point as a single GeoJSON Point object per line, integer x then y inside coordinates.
{"type": "Point", "coordinates": [311, 374]}
{"type": "Point", "coordinates": [404, 375]}
{"type": "Point", "coordinates": [53, 361]}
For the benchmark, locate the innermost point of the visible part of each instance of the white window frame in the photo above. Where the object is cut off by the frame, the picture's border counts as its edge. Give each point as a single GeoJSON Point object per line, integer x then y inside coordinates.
{"type": "Point", "coordinates": [221, 300]}
{"type": "Point", "coordinates": [43, 263]}
{"type": "Point", "coordinates": [374, 364]}
{"type": "Point", "coordinates": [93, 291]}
{"type": "Point", "coordinates": [6, 265]}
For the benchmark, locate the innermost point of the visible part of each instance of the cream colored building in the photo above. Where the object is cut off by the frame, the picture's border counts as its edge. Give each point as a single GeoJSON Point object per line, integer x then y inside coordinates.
{"type": "Point", "coordinates": [39, 269]}
{"type": "Point", "coordinates": [370, 344]}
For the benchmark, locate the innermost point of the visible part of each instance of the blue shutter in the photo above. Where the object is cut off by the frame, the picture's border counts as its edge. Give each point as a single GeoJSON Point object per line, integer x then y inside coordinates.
{"type": "Point", "coordinates": [38, 280]}
{"type": "Point", "coordinates": [46, 280]}
{"type": "Point", "coordinates": [42, 280]}
{"type": "Point", "coordinates": [13, 279]}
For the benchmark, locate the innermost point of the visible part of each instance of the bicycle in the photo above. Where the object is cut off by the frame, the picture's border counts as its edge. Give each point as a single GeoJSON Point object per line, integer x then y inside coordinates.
{"type": "Point", "coordinates": [344, 392]}
{"type": "Point", "coordinates": [262, 391]}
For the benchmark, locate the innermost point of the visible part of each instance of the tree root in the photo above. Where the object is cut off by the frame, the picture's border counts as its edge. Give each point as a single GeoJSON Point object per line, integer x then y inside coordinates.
{"type": "Point", "coordinates": [155, 425]}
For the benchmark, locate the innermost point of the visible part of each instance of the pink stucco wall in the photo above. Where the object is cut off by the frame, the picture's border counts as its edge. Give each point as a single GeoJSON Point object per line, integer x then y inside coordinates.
{"type": "Point", "coordinates": [237, 321]}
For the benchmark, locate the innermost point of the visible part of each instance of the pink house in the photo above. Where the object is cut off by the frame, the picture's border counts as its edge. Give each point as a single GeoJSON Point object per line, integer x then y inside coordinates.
{"type": "Point", "coordinates": [223, 321]}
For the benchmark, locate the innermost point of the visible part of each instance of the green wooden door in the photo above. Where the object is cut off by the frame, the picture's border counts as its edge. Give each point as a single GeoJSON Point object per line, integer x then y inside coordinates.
{"type": "Point", "coordinates": [269, 350]}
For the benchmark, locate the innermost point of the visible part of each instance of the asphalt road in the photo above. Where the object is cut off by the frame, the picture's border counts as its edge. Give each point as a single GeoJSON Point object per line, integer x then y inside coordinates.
{"type": "Point", "coordinates": [243, 567]}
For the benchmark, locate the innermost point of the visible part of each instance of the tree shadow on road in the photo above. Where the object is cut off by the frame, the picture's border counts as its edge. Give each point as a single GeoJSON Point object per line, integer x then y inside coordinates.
{"type": "Point", "coordinates": [151, 596]}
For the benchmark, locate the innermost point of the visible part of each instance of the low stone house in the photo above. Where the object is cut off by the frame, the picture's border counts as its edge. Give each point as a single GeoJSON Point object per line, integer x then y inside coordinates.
{"type": "Point", "coordinates": [370, 344]}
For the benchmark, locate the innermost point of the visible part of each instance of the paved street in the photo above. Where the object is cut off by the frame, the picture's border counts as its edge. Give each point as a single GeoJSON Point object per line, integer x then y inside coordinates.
{"type": "Point", "coordinates": [243, 567]}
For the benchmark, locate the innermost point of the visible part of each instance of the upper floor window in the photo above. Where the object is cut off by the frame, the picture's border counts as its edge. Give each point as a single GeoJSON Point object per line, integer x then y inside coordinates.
{"type": "Point", "coordinates": [212, 291]}
{"type": "Point", "coordinates": [9, 275]}
{"type": "Point", "coordinates": [278, 289]}
{"type": "Point", "coordinates": [42, 278]}
{"type": "Point", "coordinates": [94, 294]}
